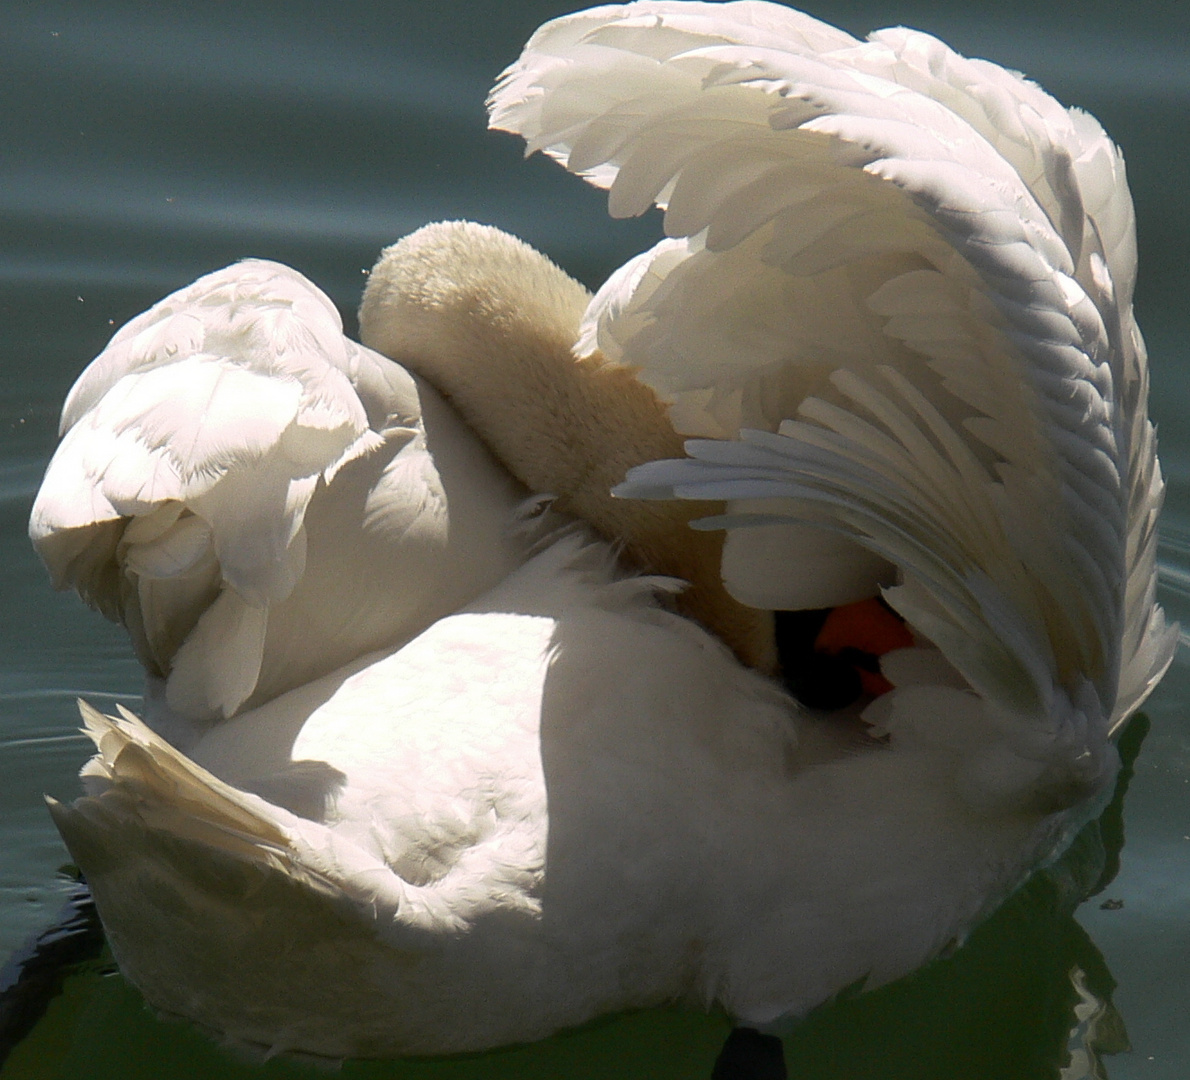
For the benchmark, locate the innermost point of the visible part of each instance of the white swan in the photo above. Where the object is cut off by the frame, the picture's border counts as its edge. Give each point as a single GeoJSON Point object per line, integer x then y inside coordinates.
{"type": "Point", "coordinates": [908, 277]}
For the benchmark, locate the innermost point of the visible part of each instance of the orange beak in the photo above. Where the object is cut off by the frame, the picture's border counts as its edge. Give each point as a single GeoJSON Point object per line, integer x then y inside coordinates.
{"type": "Point", "coordinates": [869, 627]}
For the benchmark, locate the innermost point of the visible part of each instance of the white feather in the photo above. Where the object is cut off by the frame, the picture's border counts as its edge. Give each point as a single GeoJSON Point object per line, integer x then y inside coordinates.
{"type": "Point", "coordinates": [261, 500]}
{"type": "Point", "coordinates": [915, 254]}
{"type": "Point", "coordinates": [504, 828]}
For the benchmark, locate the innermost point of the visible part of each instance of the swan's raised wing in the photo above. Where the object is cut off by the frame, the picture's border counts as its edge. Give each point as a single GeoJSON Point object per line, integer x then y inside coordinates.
{"type": "Point", "coordinates": [900, 282]}
{"type": "Point", "coordinates": [252, 494]}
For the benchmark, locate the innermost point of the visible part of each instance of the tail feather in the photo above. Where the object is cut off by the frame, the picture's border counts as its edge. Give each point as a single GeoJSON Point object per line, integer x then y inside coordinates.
{"type": "Point", "coordinates": [138, 781]}
{"type": "Point", "coordinates": [211, 903]}
{"type": "Point", "coordinates": [139, 772]}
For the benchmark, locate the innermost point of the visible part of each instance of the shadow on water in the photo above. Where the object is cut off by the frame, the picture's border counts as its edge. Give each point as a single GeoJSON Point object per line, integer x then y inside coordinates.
{"type": "Point", "coordinates": [1028, 997]}
{"type": "Point", "coordinates": [35, 973]}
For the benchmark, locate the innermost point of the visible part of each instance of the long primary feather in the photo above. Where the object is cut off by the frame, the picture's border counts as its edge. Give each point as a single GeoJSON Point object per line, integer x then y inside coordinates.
{"type": "Point", "coordinates": [905, 277]}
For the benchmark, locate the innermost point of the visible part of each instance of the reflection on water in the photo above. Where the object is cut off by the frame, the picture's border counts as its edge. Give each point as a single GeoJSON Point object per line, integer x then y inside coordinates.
{"type": "Point", "coordinates": [1098, 1030]}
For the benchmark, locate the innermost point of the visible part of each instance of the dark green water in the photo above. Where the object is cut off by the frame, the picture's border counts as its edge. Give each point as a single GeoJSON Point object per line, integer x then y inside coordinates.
{"type": "Point", "coordinates": [144, 144]}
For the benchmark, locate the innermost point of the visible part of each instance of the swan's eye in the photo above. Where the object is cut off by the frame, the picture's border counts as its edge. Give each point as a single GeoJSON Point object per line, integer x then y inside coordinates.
{"type": "Point", "coordinates": [830, 657]}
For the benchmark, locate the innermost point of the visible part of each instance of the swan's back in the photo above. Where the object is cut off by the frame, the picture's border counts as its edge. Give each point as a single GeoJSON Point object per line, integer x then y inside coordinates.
{"type": "Point", "coordinates": [460, 815]}
{"type": "Point", "coordinates": [260, 500]}
{"type": "Point", "coordinates": [562, 800]}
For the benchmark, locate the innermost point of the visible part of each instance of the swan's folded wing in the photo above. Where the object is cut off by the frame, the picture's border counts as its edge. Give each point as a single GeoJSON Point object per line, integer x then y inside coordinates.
{"type": "Point", "coordinates": [191, 448]}
{"type": "Point", "coordinates": [911, 274]}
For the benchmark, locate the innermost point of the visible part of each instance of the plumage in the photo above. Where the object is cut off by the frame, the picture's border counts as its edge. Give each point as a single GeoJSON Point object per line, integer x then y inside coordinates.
{"type": "Point", "coordinates": [480, 774]}
{"type": "Point", "coordinates": [507, 839]}
{"type": "Point", "coordinates": [230, 462]}
{"type": "Point", "coordinates": [900, 282]}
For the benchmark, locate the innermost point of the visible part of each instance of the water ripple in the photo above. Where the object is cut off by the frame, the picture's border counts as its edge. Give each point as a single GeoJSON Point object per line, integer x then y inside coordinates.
{"type": "Point", "coordinates": [51, 694]}
{"type": "Point", "coordinates": [275, 60]}
{"type": "Point", "coordinates": [19, 480]}
{"type": "Point", "coordinates": [37, 741]}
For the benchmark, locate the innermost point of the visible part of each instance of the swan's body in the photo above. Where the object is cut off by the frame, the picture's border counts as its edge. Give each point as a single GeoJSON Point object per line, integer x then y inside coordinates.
{"type": "Point", "coordinates": [515, 842]}
{"type": "Point", "coordinates": [907, 277]}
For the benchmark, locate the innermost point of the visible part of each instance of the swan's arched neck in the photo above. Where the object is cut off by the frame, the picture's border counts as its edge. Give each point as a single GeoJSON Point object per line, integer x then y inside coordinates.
{"type": "Point", "coordinates": [492, 324]}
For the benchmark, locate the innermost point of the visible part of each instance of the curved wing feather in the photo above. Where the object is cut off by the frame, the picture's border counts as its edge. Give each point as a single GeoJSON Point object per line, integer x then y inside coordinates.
{"type": "Point", "coordinates": [906, 277]}
{"type": "Point", "coordinates": [256, 497]}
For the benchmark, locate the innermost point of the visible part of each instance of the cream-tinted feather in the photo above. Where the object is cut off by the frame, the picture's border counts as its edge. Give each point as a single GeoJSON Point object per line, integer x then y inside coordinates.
{"type": "Point", "coordinates": [492, 323]}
